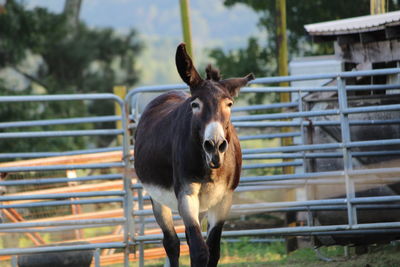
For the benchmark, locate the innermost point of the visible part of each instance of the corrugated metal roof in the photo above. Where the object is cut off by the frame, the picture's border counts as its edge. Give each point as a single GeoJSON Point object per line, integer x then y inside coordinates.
{"type": "Point", "coordinates": [354, 25]}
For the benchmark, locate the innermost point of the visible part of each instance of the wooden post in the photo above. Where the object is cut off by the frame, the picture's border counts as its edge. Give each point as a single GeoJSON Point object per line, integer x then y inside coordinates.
{"type": "Point", "coordinates": [186, 29]}
{"type": "Point", "coordinates": [15, 217]}
{"type": "Point", "coordinates": [121, 92]}
{"type": "Point", "coordinates": [75, 208]}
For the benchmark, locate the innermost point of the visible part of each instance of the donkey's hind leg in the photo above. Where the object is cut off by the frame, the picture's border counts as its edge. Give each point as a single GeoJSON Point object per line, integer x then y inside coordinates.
{"type": "Point", "coordinates": [216, 220]}
{"type": "Point", "coordinates": [171, 241]}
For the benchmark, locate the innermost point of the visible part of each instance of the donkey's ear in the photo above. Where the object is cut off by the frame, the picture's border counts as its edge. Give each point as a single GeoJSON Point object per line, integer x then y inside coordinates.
{"type": "Point", "coordinates": [185, 67]}
{"type": "Point", "coordinates": [234, 84]}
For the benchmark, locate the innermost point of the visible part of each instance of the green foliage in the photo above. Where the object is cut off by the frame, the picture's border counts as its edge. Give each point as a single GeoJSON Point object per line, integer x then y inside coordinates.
{"type": "Point", "coordinates": [298, 14]}
{"type": "Point", "coordinates": [252, 58]}
{"type": "Point", "coordinates": [71, 60]}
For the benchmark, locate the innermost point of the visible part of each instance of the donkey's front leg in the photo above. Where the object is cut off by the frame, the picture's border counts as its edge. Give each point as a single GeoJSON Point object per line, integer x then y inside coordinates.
{"type": "Point", "coordinates": [188, 205]}
{"type": "Point", "coordinates": [171, 241]}
{"type": "Point", "coordinates": [216, 220]}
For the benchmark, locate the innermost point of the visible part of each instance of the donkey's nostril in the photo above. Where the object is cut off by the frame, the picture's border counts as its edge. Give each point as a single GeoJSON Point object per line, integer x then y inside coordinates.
{"type": "Point", "coordinates": [208, 146]}
{"type": "Point", "coordinates": [223, 146]}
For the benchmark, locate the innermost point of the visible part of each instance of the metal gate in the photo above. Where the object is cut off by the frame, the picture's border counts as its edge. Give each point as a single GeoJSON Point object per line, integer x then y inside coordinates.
{"type": "Point", "coordinates": [101, 182]}
{"type": "Point", "coordinates": [327, 170]}
{"type": "Point", "coordinates": [292, 168]}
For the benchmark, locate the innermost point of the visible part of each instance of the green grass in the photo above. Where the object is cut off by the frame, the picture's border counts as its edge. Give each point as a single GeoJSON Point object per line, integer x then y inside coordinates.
{"type": "Point", "coordinates": [246, 254]}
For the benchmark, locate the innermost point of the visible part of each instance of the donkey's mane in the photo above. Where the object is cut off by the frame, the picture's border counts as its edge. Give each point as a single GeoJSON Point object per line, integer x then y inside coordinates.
{"type": "Point", "coordinates": [213, 73]}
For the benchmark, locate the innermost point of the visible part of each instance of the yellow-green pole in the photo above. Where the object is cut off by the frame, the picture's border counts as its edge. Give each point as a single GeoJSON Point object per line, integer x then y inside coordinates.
{"type": "Point", "coordinates": [283, 62]}
{"type": "Point", "coordinates": [377, 6]}
{"type": "Point", "coordinates": [120, 91]}
{"type": "Point", "coordinates": [186, 29]}
{"type": "Point", "coordinates": [281, 44]}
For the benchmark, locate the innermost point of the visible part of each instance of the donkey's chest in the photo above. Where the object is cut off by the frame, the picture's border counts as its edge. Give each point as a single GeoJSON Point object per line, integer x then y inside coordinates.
{"type": "Point", "coordinates": [209, 195]}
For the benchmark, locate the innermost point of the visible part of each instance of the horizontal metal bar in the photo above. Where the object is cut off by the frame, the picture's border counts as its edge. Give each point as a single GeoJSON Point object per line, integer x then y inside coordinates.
{"type": "Point", "coordinates": [302, 114]}
{"type": "Point", "coordinates": [280, 156]}
{"type": "Point", "coordinates": [63, 167]}
{"type": "Point", "coordinates": [268, 136]}
{"type": "Point", "coordinates": [300, 89]}
{"type": "Point", "coordinates": [348, 74]}
{"type": "Point", "coordinates": [353, 144]}
{"type": "Point", "coordinates": [53, 229]}
{"type": "Point", "coordinates": [156, 88]}
{"type": "Point", "coordinates": [63, 195]}
{"type": "Point", "coordinates": [6, 125]}
{"type": "Point", "coordinates": [376, 108]}
{"type": "Point", "coordinates": [61, 203]}
{"type": "Point", "coordinates": [286, 115]}
{"type": "Point", "coordinates": [293, 183]}
{"type": "Point", "coordinates": [266, 124]}
{"type": "Point", "coordinates": [109, 221]}
{"type": "Point", "coordinates": [292, 148]}
{"type": "Point", "coordinates": [318, 208]}
{"type": "Point", "coordinates": [262, 187]}
{"type": "Point", "coordinates": [61, 180]}
{"type": "Point", "coordinates": [309, 203]}
{"type": "Point", "coordinates": [372, 87]}
{"type": "Point", "coordinates": [272, 124]}
{"type": "Point", "coordinates": [287, 230]}
{"type": "Point", "coordinates": [142, 212]}
{"type": "Point", "coordinates": [164, 88]}
{"type": "Point", "coordinates": [358, 232]}
{"type": "Point", "coordinates": [271, 165]}
{"type": "Point", "coordinates": [319, 155]}
{"type": "Point", "coordinates": [382, 142]}
{"type": "Point", "coordinates": [374, 171]}
{"type": "Point", "coordinates": [14, 135]}
{"type": "Point", "coordinates": [375, 153]}
{"type": "Point", "coordinates": [353, 122]}
{"type": "Point", "coordinates": [314, 209]}
{"type": "Point", "coordinates": [72, 247]}
{"type": "Point", "coordinates": [365, 200]}
{"type": "Point", "coordinates": [60, 97]}
{"type": "Point", "coordinates": [265, 107]}
{"type": "Point", "coordinates": [73, 227]}
{"type": "Point", "coordinates": [58, 154]}
{"type": "Point", "coordinates": [279, 177]}
{"type": "Point", "coordinates": [315, 175]}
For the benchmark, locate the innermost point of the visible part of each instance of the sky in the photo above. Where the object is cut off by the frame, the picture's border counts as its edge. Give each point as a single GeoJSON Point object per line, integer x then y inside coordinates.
{"type": "Point", "coordinates": [159, 26]}
{"type": "Point", "coordinates": [211, 20]}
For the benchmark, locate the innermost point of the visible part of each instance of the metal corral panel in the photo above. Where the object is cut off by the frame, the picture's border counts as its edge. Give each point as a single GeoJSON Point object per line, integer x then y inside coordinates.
{"type": "Point", "coordinates": [314, 65]}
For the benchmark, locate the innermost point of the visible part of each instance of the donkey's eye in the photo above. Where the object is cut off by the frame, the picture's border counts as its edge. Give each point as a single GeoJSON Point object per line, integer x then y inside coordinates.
{"type": "Point", "coordinates": [229, 104]}
{"type": "Point", "coordinates": [195, 105]}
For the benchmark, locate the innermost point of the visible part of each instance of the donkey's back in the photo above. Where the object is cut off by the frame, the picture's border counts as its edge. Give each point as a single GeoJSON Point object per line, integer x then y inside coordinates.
{"type": "Point", "coordinates": [154, 137]}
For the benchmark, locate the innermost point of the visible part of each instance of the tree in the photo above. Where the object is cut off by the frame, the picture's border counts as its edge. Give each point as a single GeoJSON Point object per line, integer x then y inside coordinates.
{"type": "Point", "coordinates": [88, 61]}
{"type": "Point", "coordinates": [299, 13]}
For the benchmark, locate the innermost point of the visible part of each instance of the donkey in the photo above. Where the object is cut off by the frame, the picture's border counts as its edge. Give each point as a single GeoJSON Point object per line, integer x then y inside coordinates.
{"type": "Point", "coordinates": [188, 158]}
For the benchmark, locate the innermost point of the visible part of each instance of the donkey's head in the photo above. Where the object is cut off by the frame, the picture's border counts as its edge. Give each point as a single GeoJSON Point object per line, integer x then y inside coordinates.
{"type": "Point", "coordinates": [211, 102]}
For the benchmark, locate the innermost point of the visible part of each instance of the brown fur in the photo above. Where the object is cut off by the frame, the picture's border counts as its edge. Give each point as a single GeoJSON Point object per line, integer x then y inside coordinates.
{"type": "Point", "coordinates": [170, 155]}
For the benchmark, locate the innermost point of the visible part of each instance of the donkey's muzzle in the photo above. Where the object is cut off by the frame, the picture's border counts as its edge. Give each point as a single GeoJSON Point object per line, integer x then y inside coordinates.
{"type": "Point", "coordinates": [215, 162]}
{"type": "Point", "coordinates": [215, 150]}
